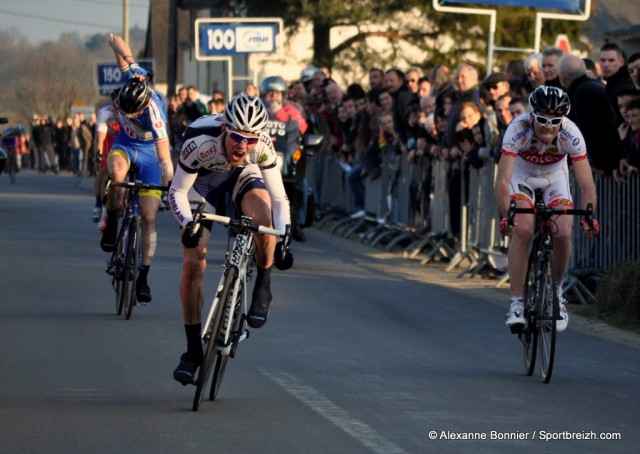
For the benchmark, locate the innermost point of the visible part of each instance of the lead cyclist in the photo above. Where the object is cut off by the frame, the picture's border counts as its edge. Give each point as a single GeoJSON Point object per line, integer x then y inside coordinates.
{"type": "Point", "coordinates": [226, 154]}
{"type": "Point", "coordinates": [534, 156]}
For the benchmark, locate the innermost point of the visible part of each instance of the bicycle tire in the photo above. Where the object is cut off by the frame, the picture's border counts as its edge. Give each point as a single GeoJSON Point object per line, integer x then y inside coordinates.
{"type": "Point", "coordinates": [222, 359]}
{"type": "Point", "coordinates": [529, 335]}
{"type": "Point", "coordinates": [548, 313]}
{"type": "Point", "coordinates": [212, 343]}
{"type": "Point", "coordinates": [132, 264]}
{"type": "Point", "coordinates": [118, 261]}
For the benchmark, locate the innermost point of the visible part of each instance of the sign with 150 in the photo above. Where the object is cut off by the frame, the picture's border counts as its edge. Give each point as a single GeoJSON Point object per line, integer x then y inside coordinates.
{"type": "Point", "coordinates": [109, 77]}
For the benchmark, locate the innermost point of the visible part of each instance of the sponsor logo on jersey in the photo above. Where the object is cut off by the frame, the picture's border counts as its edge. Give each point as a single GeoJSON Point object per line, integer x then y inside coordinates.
{"type": "Point", "coordinates": [187, 149]}
{"type": "Point", "coordinates": [262, 158]}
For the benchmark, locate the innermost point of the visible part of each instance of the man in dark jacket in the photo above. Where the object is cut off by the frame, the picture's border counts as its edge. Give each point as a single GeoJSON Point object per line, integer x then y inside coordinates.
{"type": "Point", "coordinates": [592, 112]}
{"type": "Point", "coordinates": [616, 74]}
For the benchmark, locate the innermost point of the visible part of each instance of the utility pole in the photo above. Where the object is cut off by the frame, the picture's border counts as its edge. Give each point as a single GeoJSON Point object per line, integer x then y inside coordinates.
{"type": "Point", "coordinates": [125, 20]}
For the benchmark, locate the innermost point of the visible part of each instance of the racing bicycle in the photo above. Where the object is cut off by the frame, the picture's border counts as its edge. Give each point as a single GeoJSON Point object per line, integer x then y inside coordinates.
{"type": "Point", "coordinates": [541, 303]}
{"type": "Point", "coordinates": [126, 260]}
{"type": "Point", "coordinates": [224, 327]}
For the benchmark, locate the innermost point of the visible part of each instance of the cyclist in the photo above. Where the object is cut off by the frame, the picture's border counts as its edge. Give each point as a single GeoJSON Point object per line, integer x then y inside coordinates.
{"type": "Point", "coordinates": [107, 127]}
{"type": "Point", "coordinates": [534, 151]}
{"type": "Point", "coordinates": [142, 141]}
{"type": "Point", "coordinates": [286, 126]}
{"type": "Point", "coordinates": [221, 154]}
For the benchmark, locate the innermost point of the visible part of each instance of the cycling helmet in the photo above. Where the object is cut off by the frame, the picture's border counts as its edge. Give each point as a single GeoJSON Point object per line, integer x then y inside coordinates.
{"type": "Point", "coordinates": [246, 113]}
{"type": "Point", "coordinates": [273, 83]}
{"type": "Point", "coordinates": [306, 75]}
{"type": "Point", "coordinates": [549, 100]}
{"type": "Point", "coordinates": [134, 96]}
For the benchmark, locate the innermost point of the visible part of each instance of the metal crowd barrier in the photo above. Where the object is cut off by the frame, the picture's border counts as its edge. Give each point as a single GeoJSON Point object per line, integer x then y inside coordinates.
{"type": "Point", "coordinates": [426, 236]}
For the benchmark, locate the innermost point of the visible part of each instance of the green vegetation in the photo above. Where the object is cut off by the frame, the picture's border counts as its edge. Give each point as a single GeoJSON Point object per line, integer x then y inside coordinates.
{"type": "Point", "coordinates": [618, 298]}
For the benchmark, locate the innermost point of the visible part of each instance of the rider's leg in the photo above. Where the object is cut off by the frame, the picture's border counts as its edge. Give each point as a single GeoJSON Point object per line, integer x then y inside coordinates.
{"type": "Point", "coordinates": [192, 300]}
{"type": "Point", "coordinates": [562, 246]}
{"type": "Point", "coordinates": [149, 205]}
{"type": "Point", "coordinates": [118, 165]}
{"type": "Point", "coordinates": [256, 204]}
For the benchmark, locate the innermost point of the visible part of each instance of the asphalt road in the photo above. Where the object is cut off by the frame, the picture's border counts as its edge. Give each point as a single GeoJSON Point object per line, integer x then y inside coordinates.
{"type": "Point", "coordinates": [363, 352]}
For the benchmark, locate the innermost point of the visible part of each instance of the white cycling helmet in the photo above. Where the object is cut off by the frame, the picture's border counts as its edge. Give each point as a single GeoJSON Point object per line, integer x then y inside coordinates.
{"type": "Point", "coordinates": [246, 113]}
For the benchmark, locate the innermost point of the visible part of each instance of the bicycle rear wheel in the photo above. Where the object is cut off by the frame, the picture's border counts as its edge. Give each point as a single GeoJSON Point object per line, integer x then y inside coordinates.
{"type": "Point", "coordinates": [132, 266]}
{"type": "Point", "coordinates": [529, 335]}
{"type": "Point", "coordinates": [548, 314]}
{"type": "Point", "coordinates": [212, 339]}
{"type": "Point", "coordinates": [222, 359]}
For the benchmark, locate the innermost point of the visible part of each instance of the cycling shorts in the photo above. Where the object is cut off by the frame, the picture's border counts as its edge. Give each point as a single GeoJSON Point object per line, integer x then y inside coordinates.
{"type": "Point", "coordinates": [555, 185]}
{"type": "Point", "coordinates": [144, 157]}
{"type": "Point", "coordinates": [238, 181]}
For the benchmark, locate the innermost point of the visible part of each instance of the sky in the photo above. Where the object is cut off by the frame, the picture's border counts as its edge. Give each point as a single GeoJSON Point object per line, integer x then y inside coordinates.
{"type": "Point", "coordinates": [43, 20]}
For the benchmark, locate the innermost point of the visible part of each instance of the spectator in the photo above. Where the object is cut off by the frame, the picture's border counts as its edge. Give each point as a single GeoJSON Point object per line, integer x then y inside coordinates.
{"type": "Point", "coordinates": [394, 80]}
{"type": "Point", "coordinates": [376, 78]}
{"type": "Point", "coordinates": [533, 67]}
{"type": "Point", "coordinates": [194, 108]}
{"type": "Point", "coordinates": [633, 65]}
{"type": "Point", "coordinates": [517, 77]}
{"type": "Point", "coordinates": [625, 96]}
{"type": "Point", "coordinates": [518, 106]}
{"type": "Point", "coordinates": [467, 91]}
{"type": "Point", "coordinates": [632, 142]}
{"type": "Point", "coordinates": [43, 135]}
{"type": "Point", "coordinates": [424, 87]}
{"type": "Point", "coordinates": [593, 69]}
{"type": "Point", "coordinates": [412, 76]}
{"type": "Point", "coordinates": [615, 74]}
{"type": "Point", "coordinates": [591, 111]}
{"type": "Point", "coordinates": [385, 100]}
{"type": "Point", "coordinates": [61, 143]}
{"type": "Point", "coordinates": [497, 84]}
{"type": "Point", "coordinates": [550, 58]}
{"type": "Point", "coordinates": [334, 96]}
{"type": "Point", "coordinates": [441, 83]}
{"type": "Point", "coordinates": [250, 89]}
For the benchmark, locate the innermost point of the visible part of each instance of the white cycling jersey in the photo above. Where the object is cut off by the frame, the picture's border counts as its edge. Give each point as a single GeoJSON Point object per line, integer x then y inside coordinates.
{"type": "Point", "coordinates": [204, 165]}
{"type": "Point", "coordinates": [542, 166]}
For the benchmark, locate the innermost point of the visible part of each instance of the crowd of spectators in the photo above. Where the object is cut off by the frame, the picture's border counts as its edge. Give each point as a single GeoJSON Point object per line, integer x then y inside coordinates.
{"type": "Point", "coordinates": [54, 145]}
{"type": "Point", "coordinates": [451, 114]}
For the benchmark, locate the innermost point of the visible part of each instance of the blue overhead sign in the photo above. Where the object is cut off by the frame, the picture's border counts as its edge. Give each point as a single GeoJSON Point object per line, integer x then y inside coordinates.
{"type": "Point", "coordinates": [217, 38]}
{"type": "Point", "coordinates": [571, 6]}
{"type": "Point", "coordinates": [109, 76]}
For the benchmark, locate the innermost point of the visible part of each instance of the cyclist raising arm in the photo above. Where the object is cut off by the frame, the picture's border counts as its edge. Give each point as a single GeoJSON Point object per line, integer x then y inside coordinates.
{"type": "Point", "coordinates": [142, 141]}
{"type": "Point", "coordinates": [534, 152]}
{"type": "Point", "coordinates": [221, 154]}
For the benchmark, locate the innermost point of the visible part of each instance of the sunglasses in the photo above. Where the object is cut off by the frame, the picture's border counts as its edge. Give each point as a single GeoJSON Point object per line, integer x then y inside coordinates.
{"type": "Point", "coordinates": [237, 137]}
{"type": "Point", "coordinates": [542, 121]}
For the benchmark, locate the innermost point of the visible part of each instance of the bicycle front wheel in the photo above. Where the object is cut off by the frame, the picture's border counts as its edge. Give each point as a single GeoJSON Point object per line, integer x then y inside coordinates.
{"type": "Point", "coordinates": [236, 326]}
{"type": "Point", "coordinates": [119, 262]}
{"type": "Point", "coordinates": [212, 340]}
{"type": "Point", "coordinates": [132, 265]}
{"type": "Point", "coordinates": [548, 314]}
{"type": "Point", "coordinates": [529, 335]}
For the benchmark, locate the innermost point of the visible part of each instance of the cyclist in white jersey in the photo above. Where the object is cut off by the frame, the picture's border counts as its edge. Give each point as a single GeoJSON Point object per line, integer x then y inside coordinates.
{"type": "Point", "coordinates": [534, 156]}
{"type": "Point", "coordinates": [226, 154]}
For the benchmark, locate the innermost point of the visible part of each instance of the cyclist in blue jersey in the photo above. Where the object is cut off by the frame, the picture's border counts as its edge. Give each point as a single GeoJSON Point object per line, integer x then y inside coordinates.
{"type": "Point", "coordinates": [142, 141]}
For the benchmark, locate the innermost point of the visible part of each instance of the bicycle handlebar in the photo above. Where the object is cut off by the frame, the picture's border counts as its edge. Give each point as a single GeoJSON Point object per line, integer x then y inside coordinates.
{"type": "Point", "coordinates": [139, 185]}
{"type": "Point", "coordinates": [546, 212]}
{"type": "Point", "coordinates": [242, 222]}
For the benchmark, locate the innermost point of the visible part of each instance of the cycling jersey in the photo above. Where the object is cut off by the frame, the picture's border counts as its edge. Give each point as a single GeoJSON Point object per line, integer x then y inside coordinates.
{"type": "Point", "coordinates": [203, 165]}
{"type": "Point", "coordinates": [539, 165]}
{"type": "Point", "coordinates": [138, 136]}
